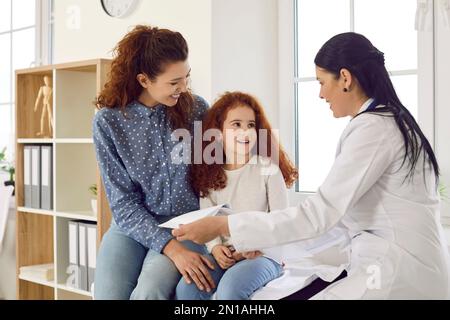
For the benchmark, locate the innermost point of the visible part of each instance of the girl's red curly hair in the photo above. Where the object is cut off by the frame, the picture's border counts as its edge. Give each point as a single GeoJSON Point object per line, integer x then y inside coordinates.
{"type": "Point", "coordinates": [207, 177]}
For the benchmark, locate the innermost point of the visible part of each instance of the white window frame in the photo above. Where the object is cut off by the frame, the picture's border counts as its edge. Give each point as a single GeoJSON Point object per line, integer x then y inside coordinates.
{"type": "Point", "coordinates": [43, 51]}
{"type": "Point", "coordinates": [287, 83]}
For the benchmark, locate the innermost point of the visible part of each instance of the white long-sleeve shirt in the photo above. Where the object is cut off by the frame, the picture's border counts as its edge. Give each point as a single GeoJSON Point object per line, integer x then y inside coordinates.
{"type": "Point", "coordinates": [256, 186]}
{"type": "Point", "coordinates": [398, 249]}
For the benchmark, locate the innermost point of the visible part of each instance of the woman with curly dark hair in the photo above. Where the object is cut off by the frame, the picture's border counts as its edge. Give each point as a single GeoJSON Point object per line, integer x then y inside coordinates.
{"type": "Point", "coordinates": [248, 170]}
{"type": "Point", "coordinates": [145, 100]}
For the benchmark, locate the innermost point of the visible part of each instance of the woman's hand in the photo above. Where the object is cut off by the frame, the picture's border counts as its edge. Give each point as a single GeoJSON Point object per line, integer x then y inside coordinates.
{"type": "Point", "coordinates": [203, 230]}
{"type": "Point", "coordinates": [223, 256]}
{"type": "Point", "coordinates": [251, 254]}
{"type": "Point", "coordinates": [237, 256]}
{"type": "Point", "coordinates": [191, 265]}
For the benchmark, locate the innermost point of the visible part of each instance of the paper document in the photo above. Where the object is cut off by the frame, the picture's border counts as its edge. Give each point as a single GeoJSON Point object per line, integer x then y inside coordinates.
{"type": "Point", "coordinates": [297, 251]}
{"type": "Point", "coordinates": [287, 253]}
{"type": "Point", "coordinates": [192, 216]}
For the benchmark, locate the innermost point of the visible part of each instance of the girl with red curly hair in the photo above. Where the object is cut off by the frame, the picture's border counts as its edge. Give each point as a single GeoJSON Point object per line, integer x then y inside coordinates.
{"type": "Point", "coordinates": [145, 100]}
{"type": "Point", "coordinates": [248, 170]}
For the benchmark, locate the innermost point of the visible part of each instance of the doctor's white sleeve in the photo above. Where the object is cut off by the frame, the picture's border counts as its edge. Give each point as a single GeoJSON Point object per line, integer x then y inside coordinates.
{"type": "Point", "coordinates": [277, 192]}
{"type": "Point", "coordinates": [365, 154]}
{"type": "Point", "coordinates": [206, 202]}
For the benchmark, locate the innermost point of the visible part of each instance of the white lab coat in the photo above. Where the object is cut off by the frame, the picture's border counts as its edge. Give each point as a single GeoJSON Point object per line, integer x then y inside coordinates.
{"type": "Point", "coordinates": [398, 250]}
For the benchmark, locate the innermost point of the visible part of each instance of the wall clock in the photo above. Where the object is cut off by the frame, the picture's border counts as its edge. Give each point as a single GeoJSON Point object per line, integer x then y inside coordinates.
{"type": "Point", "coordinates": [119, 8]}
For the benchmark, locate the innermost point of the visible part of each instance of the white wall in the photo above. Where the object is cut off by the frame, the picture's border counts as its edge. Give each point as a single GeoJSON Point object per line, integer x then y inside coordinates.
{"type": "Point", "coordinates": [93, 34]}
{"type": "Point", "coordinates": [245, 50]}
{"type": "Point", "coordinates": [233, 44]}
{"type": "Point", "coordinates": [8, 255]}
{"type": "Point", "coordinates": [442, 116]}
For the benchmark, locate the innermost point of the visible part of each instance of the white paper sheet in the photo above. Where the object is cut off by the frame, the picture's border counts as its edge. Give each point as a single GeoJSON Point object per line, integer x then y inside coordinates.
{"type": "Point", "coordinates": [297, 251]}
{"type": "Point", "coordinates": [192, 216]}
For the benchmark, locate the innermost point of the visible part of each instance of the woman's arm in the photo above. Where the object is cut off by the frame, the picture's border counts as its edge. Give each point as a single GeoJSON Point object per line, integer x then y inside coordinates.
{"type": "Point", "coordinates": [125, 198]}
{"type": "Point", "coordinates": [135, 220]}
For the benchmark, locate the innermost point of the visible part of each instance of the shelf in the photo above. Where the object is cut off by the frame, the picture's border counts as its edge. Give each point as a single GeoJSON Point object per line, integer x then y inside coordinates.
{"type": "Point", "coordinates": [37, 280]}
{"type": "Point", "coordinates": [27, 90]}
{"type": "Point", "coordinates": [35, 237]}
{"type": "Point", "coordinates": [77, 215]}
{"type": "Point", "coordinates": [69, 294]}
{"type": "Point", "coordinates": [75, 172]}
{"type": "Point", "coordinates": [75, 141]}
{"type": "Point", "coordinates": [66, 272]}
{"type": "Point", "coordinates": [29, 289]}
{"type": "Point", "coordinates": [36, 211]}
{"type": "Point", "coordinates": [35, 141]}
{"type": "Point", "coordinates": [75, 92]}
{"type": "Point", "coordinates": [74, 290]}
{"type": "Point", "coordinates": [43, 235]}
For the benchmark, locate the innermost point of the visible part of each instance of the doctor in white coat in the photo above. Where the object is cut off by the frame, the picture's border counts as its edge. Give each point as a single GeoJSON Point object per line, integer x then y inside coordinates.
{"type": "Point", "coordinates": [382, 188]}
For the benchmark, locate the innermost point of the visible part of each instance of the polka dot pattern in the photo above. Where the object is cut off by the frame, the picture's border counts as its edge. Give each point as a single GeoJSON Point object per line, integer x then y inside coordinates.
{"type": "Point", "coordinates": [143, 186]}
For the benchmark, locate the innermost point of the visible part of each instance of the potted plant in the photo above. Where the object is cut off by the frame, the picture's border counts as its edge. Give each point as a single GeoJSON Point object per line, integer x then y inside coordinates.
{"type": "Point", "coordinates": [93, 191]}
{"type": "Point", "coordinates": [8, 167]}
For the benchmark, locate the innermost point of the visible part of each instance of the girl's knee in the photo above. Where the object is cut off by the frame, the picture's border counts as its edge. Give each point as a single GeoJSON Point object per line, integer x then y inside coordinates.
{"type": "Point", "coordinates": [233, 289]}
{"type": "Point", "coordinates": [190, 291]}
{"type": "Point", "coordinates": [230, 293]}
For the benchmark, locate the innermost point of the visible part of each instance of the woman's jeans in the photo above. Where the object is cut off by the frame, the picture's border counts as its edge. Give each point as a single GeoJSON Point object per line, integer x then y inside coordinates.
{"type": "Point", "coordinates": [236, 283]}
{"type": "Point", "coordinates": [127, 270]}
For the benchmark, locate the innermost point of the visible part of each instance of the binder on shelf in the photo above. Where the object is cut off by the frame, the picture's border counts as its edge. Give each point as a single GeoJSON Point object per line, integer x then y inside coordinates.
{"type": "Point", "coordinates": [74, 252]}
{"type": "Point", "coordinates": [35, 177]}
{"type": "Point", "coordinates": [82, 246]}
{"type": "Point", "coordinates": [46, 178]}
{"type": "Point", "coordinates": [91, 243]}
{"type": "Point", "coordinates": [27, 175]}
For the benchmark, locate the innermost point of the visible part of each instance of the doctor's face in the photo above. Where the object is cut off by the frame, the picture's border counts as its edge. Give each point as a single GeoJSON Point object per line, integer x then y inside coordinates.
{"type": "Point", "coordinates": [332, 90]}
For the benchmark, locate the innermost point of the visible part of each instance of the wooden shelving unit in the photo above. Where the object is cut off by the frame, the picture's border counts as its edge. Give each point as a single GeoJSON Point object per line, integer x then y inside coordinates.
{"type": "Point", "coordinates": [42, 235]}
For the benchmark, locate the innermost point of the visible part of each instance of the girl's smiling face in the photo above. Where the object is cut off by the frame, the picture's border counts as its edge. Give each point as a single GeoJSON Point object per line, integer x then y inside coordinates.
{"type": "Point", "coordinates": [239, 132]}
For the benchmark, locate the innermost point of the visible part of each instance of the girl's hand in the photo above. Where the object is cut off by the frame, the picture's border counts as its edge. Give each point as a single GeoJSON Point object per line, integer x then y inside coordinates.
{"type": "Point", "coordinates": [223, 256]}
{"type": "Point", "coordinates": [191, 265]}
{"type": "Point", "coordinates": [203, 230]}
{"type": "Point", "coordinates": [251, 254]}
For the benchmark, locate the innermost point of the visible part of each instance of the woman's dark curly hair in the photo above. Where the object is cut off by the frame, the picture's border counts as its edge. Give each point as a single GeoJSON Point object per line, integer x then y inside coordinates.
{"type": "Point", "coordinates": [147, 50]}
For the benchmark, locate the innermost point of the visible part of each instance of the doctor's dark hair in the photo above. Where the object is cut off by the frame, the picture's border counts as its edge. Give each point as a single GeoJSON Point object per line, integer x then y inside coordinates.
{"type": "Point", "coordinates": [148, 50]}
{"type": "Point", "coordinates": [356, 53]}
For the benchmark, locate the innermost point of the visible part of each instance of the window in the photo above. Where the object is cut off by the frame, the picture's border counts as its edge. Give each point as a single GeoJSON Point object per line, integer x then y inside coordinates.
{"type": "Point", "coordinates": [18, 43]}
{"type": "Point", "coordinates": [25, 30]}
{"type": "Point", "coordinates": [389, 25]}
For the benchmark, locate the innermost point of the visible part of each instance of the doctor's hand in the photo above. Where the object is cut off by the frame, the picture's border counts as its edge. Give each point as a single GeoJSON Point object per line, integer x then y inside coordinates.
{"type": "Point", "coordinates": [203, 230]}
{"type": "Point", "coordinates": [191, 265]}
{"type": "Point", "coordinates": [223, 256]}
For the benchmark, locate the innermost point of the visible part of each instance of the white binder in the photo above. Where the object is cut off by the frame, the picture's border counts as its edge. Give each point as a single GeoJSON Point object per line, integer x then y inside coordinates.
{"type": "Point", "coordinates": [91, 252]}
{"type": "Point", "coordinates": [74, 254]}
{"type": "Point", "coordinates": [82, 246]}
{"type": "Point", "coordinates": [46, 178]}
{"type": "Point", "coordinates": [35, 177]}
{"type": "Point", "coordinates": [27, 175]}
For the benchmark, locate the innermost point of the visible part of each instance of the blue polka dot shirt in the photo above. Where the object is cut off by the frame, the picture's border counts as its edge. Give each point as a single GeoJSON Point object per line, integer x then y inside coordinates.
{"type": "Point", "coordinates": [144, 188]}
